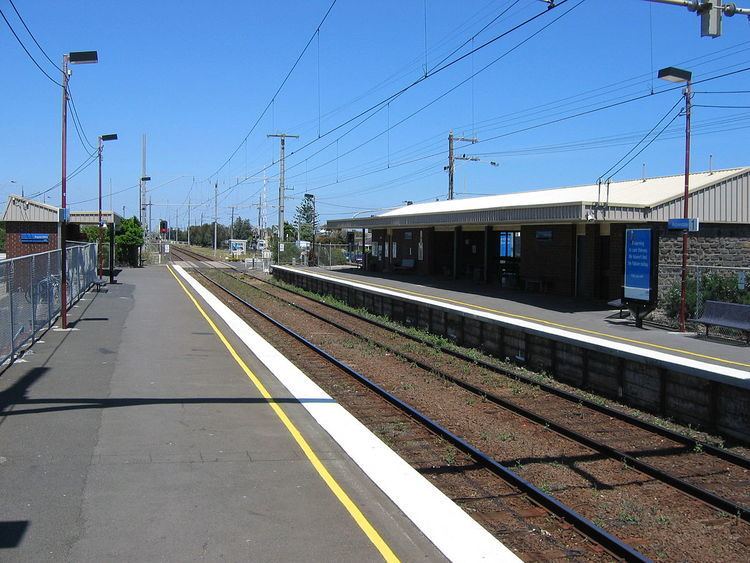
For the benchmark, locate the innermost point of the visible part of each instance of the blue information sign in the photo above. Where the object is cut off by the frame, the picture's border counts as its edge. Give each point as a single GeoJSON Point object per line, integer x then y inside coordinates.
{"type": "Point", "coordinates": [691, 224]}
{"type": "Point", "coordinates": [638, 264]}
{"type": "Point", "coordinates": [34, 238]}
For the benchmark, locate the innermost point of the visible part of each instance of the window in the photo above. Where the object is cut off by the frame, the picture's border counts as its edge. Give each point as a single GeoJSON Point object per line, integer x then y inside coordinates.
{"type": "Point", "coordinates": [407, 235]}
{"type": "Point", "coordinates": [509, 244]}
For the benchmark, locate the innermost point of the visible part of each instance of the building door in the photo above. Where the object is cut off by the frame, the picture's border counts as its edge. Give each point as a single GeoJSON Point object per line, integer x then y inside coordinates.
{"type": "Point", "coordinates": [580, 264]}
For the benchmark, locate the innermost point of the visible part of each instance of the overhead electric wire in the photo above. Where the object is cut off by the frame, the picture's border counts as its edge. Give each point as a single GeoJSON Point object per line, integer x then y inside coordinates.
{"type": "Point", "coordinates": [632, 158]}
{"type": "Point", "coordinates": [13, 31]}
{"type": "Point", "coordinates": [278, 90]}
{"type": "Point", "coordinates": [646, 136]}
{"type": "Point", "coordinates": [381, 104]}
{"type": "Point", "coordinates": [80, 168]}
{"type": "Point", "coordinates": [445, 93]}
{"type": "Point", "coordinates": [33, 38]}
{"type": "Point", "coordinates": [720, 107]}
{"type": "Point", "coordinates": [605, 107]}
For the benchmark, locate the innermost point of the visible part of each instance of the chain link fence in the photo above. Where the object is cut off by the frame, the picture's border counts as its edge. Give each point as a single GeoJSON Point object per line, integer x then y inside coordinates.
{"type": "Point", "coordinates": [703, 283]}
{"type": "Point", "coordinates": [30, 293]}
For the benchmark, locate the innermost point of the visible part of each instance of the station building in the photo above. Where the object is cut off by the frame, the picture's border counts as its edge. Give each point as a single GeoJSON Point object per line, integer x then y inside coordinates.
{"type": "Point", "coordinates": [32, 226]}
{"type": "Point", "coordinates": [564, 241]}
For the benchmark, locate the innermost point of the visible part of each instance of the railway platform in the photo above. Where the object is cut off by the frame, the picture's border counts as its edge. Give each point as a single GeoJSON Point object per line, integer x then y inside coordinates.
{"type": "Point", "coordinates": [139, 434]}
{"type": "Point", "coordinates": [582, 318]}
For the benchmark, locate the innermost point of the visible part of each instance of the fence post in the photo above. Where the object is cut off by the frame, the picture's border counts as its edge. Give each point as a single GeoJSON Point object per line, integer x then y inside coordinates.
{"type": "Point", "coordinates": [33, 298]}
{"type": "Point", "coordinates": [12, 327]}
{"type": "Point", "coordinates": [48, 288]}
{"type": "Point", "coordinates": [698, 292]}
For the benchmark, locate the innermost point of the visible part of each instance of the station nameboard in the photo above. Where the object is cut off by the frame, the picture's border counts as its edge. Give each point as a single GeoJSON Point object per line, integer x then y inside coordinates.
{"type": "Point", "coordinates": [34, 238]}
{"type": "Point", "coordinates": [691, 224]}
{"type": "Point", "coordinates": [638, 264]}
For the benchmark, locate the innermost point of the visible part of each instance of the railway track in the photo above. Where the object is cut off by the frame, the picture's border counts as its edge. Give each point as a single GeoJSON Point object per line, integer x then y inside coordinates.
{"type": "Point", "coordinates": [383, 337]}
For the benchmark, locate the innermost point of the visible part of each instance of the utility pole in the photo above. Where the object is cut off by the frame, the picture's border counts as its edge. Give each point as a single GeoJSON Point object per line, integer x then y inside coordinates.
{"type": "Point", "coordinates": [188, 234]}
{"type": "Point", "coordinates": [216, 212]}
{"type": "Point", "coordinates": [282, 195]}
{"type": "Point", "coordinates": [231, 226]}
{"type": "Point", "coordinates": [452, 158]}
{"type": "Point", "coordinates": [142, 188]}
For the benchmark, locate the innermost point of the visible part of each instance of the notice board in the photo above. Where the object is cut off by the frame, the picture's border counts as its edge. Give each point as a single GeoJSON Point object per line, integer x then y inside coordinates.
{"type": "Point", "coordinates": [639, 266]}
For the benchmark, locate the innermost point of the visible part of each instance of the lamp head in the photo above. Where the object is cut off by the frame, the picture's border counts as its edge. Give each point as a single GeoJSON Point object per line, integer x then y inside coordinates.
{"type": "Point", "coordinates": [674, 74]}
{"type": "Point", "coordinates": [83, 57]}
{"type": "Point", "coordinates": [111, 137]}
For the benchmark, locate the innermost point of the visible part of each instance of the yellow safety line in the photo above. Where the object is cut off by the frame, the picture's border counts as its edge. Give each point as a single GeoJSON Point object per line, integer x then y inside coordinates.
{"type": "Point", "coordinates": [542, 321]}
{"type": "Point", "coordinates": [343, 498]}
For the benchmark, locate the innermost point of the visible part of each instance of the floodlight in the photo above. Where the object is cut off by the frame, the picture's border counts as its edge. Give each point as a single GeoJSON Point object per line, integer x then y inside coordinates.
{"type": "Point", "coordinates": [83, 57]}
{"type": "Point", "coordinates": [673, 74]}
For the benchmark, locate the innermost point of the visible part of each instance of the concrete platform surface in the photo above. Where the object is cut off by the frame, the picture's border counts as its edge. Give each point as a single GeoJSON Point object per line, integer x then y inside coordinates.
{"type": "Point", "coordinates": [136, 437]}
{"type": "Point", "coordinates": [580, 317]}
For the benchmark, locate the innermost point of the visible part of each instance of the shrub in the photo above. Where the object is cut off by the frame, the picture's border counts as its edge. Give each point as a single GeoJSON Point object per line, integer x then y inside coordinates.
{"type": "Point", "coordinates": [715, 286]}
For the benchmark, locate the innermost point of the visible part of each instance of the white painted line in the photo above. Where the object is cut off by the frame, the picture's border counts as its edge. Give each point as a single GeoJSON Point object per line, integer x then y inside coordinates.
{"type": "Point", "coordinates": [677, 361]}
{"type": "Point", "coordinates": [453, 532]}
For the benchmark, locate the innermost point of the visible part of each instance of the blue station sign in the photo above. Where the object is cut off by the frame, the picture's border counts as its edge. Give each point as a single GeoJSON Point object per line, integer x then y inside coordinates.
{"type": "Point", "coordinates": [691, 224]}
{"type": "Point", "coordinates": [34, 238]}
{"type": "Point", "coordinates": [638, 264]}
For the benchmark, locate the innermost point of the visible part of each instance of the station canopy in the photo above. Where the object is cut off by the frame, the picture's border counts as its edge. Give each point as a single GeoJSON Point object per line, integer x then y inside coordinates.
{"type": "Point", "coordinates": [721, 196]}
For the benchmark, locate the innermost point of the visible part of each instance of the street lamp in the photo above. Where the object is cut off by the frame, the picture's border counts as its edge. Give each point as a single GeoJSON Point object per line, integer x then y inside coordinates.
{"type": "Point", "coordinates": [74, 58]}
{"type": "Point", "coordinates": [679, 75]}
{"type": "Point", "coordinates": [102, 139]}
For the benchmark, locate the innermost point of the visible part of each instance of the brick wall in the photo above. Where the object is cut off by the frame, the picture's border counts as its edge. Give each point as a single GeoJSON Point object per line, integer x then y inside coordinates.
{"type": "Point", "coordinates": [551, 260]}
{"type": "Point", "coordinates": [13, 245]}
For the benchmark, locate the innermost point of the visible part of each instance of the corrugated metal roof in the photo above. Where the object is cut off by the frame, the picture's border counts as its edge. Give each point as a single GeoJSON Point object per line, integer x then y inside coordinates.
{"type": "Point", "coordinates": [630, 200]}
{"type": "Point", "coordinates": [629, 193]}
{"type": "Point", "coordinates": [92, 217]}
{"type": "Point", "coordinates": [21, 208]}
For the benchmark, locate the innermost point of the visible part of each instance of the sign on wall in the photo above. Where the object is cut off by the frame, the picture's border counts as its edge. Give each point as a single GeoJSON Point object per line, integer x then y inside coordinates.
{"type": "Point", "coordinates": [638, 264]}
{"type": "Point", "coordinates": [34, 238]}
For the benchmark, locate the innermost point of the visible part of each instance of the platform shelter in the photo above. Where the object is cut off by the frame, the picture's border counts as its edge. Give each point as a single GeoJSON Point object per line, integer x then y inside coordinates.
{"type": "Point", "coordinates": [565, 241]}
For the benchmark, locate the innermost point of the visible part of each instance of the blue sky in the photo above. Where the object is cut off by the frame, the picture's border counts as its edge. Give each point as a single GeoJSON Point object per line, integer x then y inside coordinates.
{"type": "Point", "coordinates": [195, 76]}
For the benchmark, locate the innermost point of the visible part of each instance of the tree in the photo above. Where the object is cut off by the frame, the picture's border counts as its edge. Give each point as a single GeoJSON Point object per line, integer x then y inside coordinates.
{"type": "Point", "coordinates": [242, 229]}
{"type": "Point", "coordinates": [2, 236]}
{"type": "Point", "coordinates": [129, 239]}
{"type": "Point", "coordinates": [306, 218]}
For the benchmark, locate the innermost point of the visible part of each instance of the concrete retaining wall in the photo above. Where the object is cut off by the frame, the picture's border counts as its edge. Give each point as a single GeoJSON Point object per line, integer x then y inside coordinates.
{"type": "Point", "coordinates": [668, 389]}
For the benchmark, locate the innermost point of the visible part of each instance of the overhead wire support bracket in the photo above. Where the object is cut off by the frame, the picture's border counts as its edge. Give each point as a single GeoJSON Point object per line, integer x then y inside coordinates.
{"type": "Point", "coordinates": [711, 13]}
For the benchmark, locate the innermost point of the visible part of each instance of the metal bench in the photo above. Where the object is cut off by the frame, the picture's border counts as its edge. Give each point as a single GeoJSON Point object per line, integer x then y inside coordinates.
{"type": "Point", "coordinates": [618, 304]}
{"type": "Point", "coordinates": [99, 284]}
{"type": "Point", "coordinates": [728, 315]}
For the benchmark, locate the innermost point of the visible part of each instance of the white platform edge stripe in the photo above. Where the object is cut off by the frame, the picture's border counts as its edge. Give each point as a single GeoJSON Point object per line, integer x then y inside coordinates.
{"type": "Point", "coordinates": [629, 348]}
{"type": "Point", "coordinates": [445, 524]}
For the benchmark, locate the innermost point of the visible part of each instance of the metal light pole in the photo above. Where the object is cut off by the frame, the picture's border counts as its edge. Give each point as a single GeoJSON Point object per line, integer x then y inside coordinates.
{"type": "Point", "coordinates": [79, 57]}
{"type": "Point", "coordinates": [673, 74]}
{"type": "Point", "coordinates": [102, 139]}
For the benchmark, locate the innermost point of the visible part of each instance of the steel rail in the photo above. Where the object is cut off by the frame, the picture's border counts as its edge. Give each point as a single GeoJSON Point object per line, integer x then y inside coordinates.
{"type": "Point", "coordinates": [721, 453]}
{"type": "Point", "coordinates": [681, 485]}
{"type": "Point", "coordinates": [691, 443]}
{"type": "Point", "coordinates": [609, 542]}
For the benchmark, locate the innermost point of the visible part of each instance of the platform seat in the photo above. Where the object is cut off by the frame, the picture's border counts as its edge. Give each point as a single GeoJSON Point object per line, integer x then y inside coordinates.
{"type": "Point", "coordinates": [728, 315]}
